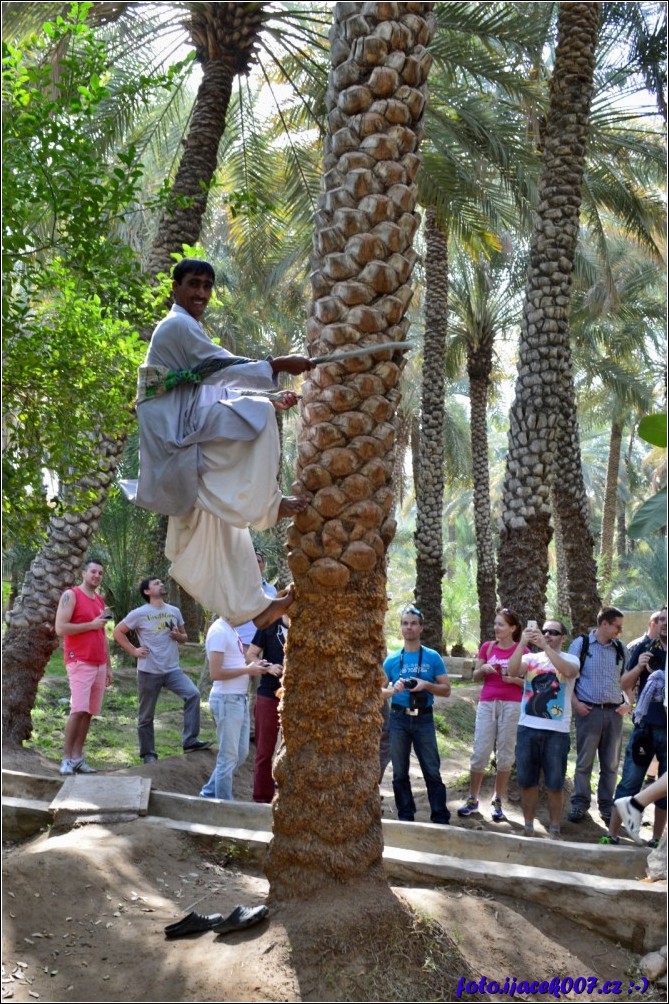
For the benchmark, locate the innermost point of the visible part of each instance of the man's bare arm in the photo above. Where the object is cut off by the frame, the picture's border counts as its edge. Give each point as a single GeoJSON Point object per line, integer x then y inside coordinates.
{"type": "Point", "coordinates": [64, 625]}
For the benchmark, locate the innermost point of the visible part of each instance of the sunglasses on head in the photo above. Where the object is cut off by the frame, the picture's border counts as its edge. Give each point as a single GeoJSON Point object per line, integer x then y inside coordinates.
{"type": "Point", "coordinates": [553, 632]}
{"type": "Point", "coordinates": [413, 610]}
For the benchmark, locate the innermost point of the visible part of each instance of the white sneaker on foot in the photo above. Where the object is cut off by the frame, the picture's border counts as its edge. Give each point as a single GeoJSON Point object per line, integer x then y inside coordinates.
{"type": "Point", "coordinates": [66, 767]}
{"type": "Point", "coordinates": [81, 767]}
{"type": "Point", "coordinates": [630, 818]}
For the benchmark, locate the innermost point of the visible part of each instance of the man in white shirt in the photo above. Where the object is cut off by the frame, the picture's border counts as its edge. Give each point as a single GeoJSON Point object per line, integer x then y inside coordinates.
{"type": "Point", "coordinates": [542, 740]}
{"type": "Point", "coordinates": [229, 704]}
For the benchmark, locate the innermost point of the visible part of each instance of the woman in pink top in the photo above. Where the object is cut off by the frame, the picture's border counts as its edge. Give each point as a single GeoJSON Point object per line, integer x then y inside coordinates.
{"type": "Point", "coordinates": [497, 713]}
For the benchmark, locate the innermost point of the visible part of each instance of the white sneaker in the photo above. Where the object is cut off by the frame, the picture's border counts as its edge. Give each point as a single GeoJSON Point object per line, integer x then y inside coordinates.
{"type": "Point", "coordinates": [630, 818]}
{"type": "Point", "coordinates": [66, 767]}
{"type": "Point", "coordinates": [81, 767]}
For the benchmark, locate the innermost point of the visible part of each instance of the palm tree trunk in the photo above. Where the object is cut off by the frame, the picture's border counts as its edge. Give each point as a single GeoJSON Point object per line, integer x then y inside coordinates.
{"type": "Point", "coordinates": [479, 368]}
{"type": "Point", "coordinates": [224, 35]}
{"type": "Point", "coordinates": [544, 352]}
{"type": "Point", "coordinates": [570, 507]}
{"type": "Point", "coordinates": [327, 816]}
{"type": "Point", "coordinates": [610, 504]}
{"type": "Point", "coordinates": [430, 496]}
{"type": "Point", "coordinates": [402, 434]}
{"type": "Point", "coordinates": [30, 639]}
{"type": "Point", "coordinates": [561, 572]}
{"type": "Point", "coordinates": [414, 437]}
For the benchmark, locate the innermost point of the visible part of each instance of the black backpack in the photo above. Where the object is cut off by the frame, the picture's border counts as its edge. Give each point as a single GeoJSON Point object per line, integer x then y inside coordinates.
{"type": "Point", "coordinates": [585, 648]}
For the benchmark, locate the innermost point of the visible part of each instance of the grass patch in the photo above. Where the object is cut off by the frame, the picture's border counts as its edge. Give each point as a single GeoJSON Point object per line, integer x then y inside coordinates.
{"type": "Point", "coordinates": [112, 740]}
{"type": "Point", "coordinates": [455, 728]}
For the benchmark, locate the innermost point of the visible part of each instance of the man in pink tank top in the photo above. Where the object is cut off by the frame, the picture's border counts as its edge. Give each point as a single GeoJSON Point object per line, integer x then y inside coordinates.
{"type": "Point", "coordinates": [80, 622]}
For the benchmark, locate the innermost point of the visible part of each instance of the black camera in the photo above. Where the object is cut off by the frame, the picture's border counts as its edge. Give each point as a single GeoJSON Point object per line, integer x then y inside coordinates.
{"type": "Point", "coordinates": [656, 661]}
{"type": "Point", "coordinates": [410, 683]}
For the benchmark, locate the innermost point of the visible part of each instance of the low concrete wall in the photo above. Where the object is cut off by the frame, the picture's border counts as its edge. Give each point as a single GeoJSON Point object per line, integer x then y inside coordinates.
{"type": "Point", "coordinates": [595, 886]}
{"type": "Point", "coordinates": [459, 667]}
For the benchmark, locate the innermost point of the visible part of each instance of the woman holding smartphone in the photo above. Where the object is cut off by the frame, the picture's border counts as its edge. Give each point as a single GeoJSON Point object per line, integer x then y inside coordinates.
{"type": "Point", "coordinates": [497, 713]}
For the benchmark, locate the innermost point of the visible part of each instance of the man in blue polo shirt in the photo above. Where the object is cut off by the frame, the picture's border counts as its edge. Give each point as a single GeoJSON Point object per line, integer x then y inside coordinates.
{"type": "Point", "coordinates": [415, 676]}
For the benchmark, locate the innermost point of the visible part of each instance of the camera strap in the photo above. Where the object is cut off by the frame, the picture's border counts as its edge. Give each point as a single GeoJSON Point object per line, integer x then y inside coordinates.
{"type": "Point", "coordinates": [420, 660]}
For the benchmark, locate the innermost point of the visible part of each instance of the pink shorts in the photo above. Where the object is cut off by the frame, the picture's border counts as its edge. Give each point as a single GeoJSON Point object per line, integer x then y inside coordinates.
{"type": "Point", "coordinates": [87, 686]}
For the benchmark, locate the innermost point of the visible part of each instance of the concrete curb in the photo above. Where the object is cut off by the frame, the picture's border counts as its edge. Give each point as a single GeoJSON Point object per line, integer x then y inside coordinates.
{"type": "Point", "coordinates": [598, 887]}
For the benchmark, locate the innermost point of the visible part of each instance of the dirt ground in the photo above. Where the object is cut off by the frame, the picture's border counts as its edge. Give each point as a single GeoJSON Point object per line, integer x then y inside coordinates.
{"type": "Point", "coordinates": [84, 913]}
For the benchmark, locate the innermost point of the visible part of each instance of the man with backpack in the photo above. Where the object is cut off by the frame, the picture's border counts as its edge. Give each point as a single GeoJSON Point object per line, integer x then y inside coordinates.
{"type": "Point", "coordinates": [599, 706]}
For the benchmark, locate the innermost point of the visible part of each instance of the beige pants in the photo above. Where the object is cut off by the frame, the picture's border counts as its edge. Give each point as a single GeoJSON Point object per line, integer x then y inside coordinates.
{"type": "Point", "coordinates": [211, 550]}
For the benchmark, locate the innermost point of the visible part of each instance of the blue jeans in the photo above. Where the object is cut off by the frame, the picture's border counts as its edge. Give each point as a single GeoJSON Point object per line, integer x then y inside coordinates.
{"type": "Point", "coordinates": [231, 714]}
{"type": "Point", "coordinates": [600, 734]}
{"type": "Point", "coordinates": [541, 749]}
{"type": "Point", "coordinates": [417, 731]}
{"type": "Point", "coordinates": [149, 686]}
{"type": "Point", "coordinates": [633, 775]}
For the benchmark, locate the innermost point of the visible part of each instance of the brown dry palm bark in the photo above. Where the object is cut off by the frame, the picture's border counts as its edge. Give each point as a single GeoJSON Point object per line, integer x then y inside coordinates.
{"type": "Point", "coordinates": [610, 503]}
{"type": "Point", "coordinates": [544, 352]}
{"type": "Point", "coordinates": [571, 513]}
{"type": "Point", "coordinates": [327, 816]}
{"type": "Point", "coordinates": [430, 495]}
{"type": "Point", "coordinates": [479, 370]}
{"type": "Point", "coordinates": [224, 35]}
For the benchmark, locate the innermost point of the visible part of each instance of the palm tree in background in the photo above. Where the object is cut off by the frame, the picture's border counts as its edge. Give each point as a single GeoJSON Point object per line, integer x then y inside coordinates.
{"type": "Point", "coordinates": [485, 303]}
{"type": "Point", "coordinates": [544, 368]}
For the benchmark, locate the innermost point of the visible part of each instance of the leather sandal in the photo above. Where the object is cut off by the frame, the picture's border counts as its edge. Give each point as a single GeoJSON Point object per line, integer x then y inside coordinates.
{"type": "Point", "coordinates": [193, 923]}
{"type": "Point", "coordinates": [240, 918]}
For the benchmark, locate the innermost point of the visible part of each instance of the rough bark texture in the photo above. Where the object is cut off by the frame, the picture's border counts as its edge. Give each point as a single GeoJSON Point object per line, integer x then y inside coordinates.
{"type": "Point", "coordinates": [402, 434]}
{"type": "Point", "coordinates": [30, 639]}
{"type": "Point", "coordinates": [479, 369]}
{"type": "Point", "coordinates": [571, 512]}
{"type": "Point", "coordinates": [562, 611]}
{"type": "Point", "coordinates": [430, 497]}
{"type": "Point", "coordinates": [192, 613]}
{"type": "Point", "coordinates": [327, 816]}
{"type": "Point", "coordinates": [545, 359]}
{"type": "Point", "coordinates": [610, 504]}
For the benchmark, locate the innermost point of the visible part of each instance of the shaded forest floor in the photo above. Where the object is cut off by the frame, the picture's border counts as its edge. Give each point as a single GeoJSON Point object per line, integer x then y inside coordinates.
{"type": "Point", "coordinates": [85, 912]}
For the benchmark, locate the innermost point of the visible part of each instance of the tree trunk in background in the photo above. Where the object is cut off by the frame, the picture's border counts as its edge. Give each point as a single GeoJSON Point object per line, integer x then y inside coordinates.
{"type": "Point", "coordinates": [610, 506]}
{"type": "Point", "coordinates": [402, 434]}
{"type": "Point", "coordinates": [428, 536]}
{"type": "Point", "coordinates": [327, 815]}
{"type": "Point", "coordinates": [479, 369]}
{"type": "Point", "coordinates": [224, 36]}
{"type": "Point", "coordinates": [544, 351]}
{"type": "Point", "coordinates": [621, 531]}
{"type": "Point", "coordinates": [561, 575]}
{"type": "Point", "coordinates": [30, 639]}
{"type": "Point", "coordinates": [570, 507]}
{"type": "Point", "coordinates": [193, 615]}
{"type": "Point", "coordinates": [415, 451]}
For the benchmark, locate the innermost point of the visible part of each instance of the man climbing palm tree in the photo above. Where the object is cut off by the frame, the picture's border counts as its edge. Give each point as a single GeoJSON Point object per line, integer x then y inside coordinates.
{"type": "Point", "coordinates": [209, 456]}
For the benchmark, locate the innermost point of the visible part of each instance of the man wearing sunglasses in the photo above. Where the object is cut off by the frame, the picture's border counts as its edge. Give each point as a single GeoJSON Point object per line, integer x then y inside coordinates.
{"type": "Point", "coordinates": [415, 676]}
{"type": "Point", "coordinates": [542, 741]}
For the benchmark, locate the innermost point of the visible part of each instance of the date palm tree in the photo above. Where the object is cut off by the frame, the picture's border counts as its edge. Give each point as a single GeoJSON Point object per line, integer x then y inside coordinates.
{"type": "Point", "coordinates": [485, 305]}
{"type": "Point", "coordinates": [327, 833]}
{"type": "Point", "coordinates": [544, 368]}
